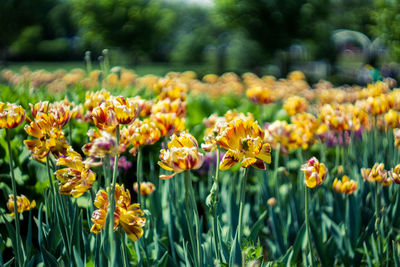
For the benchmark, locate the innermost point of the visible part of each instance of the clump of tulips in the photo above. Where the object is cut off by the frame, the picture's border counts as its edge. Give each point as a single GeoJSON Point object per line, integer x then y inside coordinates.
{"type": "Point", "coordinates": [322, 190]}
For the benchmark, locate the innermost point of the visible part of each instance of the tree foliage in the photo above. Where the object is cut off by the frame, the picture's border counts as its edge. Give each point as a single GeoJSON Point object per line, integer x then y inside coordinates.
{"type": "Point", "coordinates": [387, 20]}
{"type": "Point", "coordinates": [133, 25]}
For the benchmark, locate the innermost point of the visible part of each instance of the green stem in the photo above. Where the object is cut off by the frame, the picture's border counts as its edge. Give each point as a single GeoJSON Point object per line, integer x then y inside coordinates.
{"type": "Point", "coordinates": [16, 214]}
{"type": "Point", "coordinates": [307, 192]}
{"type": "Point", "coordinates": [276, 166]}
{"type": "Point", "coordinates": [322, 151]}
{"type": "Point", "coordinates": [53, 191]}
{"type": "Point", "coordinates": [125, 259]}
{"type": "Point", "coordinates": [241, 203]}
{"type": "Point", "coordinates": [70, 132]}
{"type": "Point", "coordinates": [337, 153]}
{"type": "Point", "coordinates": [112, 204]}
{"type": "Point", "coordinates": [376, 206]}
{"type": "Point", "coordinates": [343, 148]}
{"type": "Point", "coordinates": [106, 170]}
{"type": "Point", "coordinates": [215, 208]}
{"type": "Point", "coordinates": [57, 201]}
{"type": "Point", "coordinates": [189, 200]}
{"type": "Point", "coordinates": [139, 175]}
{"type": "Point", "coordinates": [262, 112]}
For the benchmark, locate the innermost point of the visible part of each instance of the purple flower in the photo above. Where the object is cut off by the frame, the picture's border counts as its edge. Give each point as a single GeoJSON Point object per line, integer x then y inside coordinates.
{"type": "Point", "coordinates": [123, 163]}
{"type": "Point", "coordinates": [209, 163]}
{"type": "Point", "coordinates": [332, 139]}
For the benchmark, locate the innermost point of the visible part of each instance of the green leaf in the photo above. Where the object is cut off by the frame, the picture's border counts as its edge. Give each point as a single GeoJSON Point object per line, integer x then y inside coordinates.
{"type": "Point", "coordinates": [19, 177]}
{"type": "Point", "coordinates": [374, 249]}
{"type": "Point", "coordinates": [277, 231]}
{"type": "Point", "coordinates": [298, 242]}
{"type": "Point", "coordinates": [257, 227]}
{"type": "Point", "coordinates": [29, 236]}
{"type": "Point", "coordinates": [78, 259]}
{"type": "Point", "coordinates": [9, 263]}
{"type": "Point", "coordinates": [11, 232]}
{"type": "Point", "coordinates": [235, 257]}
{"type": "Point", "coordinates": [395, 254]}
{"type": "Point", "coordinates": [48, 259]}
{"type": "Point", "coordinates": [162, 261]}
{"type": "Point", "coordinates": [319, 245]}
{"type": "Point", "coordinates": [367, 255]}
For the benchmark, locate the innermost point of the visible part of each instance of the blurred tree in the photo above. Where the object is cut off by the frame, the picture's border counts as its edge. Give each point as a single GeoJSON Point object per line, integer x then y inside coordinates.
{"type": "Point", "coordinates": [30, 29]}
{"type": "Point", "coordinates": [352, 15]}
{"type": "Point", "coordinates": [136, 26]}
{"type": "Point", "coordinates": [17, 15]}
{"type": "Point", "coordinates": [387, 20]}
{"type": "Point", "coordinates": [273, 23]}
{"type": "Point", "coordinates": [194, 30]}
{"type": "Point", "coordinates": [276, 24]}
{"type": "Point", "coordinates": [61, 23]}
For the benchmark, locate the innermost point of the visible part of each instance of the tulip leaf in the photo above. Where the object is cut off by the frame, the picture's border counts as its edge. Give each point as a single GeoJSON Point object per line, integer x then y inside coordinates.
{"type": "Point", "coordinates": [9, 263]}
{"type": "Point", "coordinates": [235, 257]}
{"type": "Point", "coordinates": [286, 260]}
{"type": "Point", "coordinates": [78, 259]}
{"type": "Point", "coordinates": [319, 245]}
{"type": "Point", "coordinates": [277, 231]}
{"type": "Point", "coordinates": [29, 236]}
{"type": "Point", "coordinates": [257, 227]}
{"type": "Point", "coordinates": [366, 252]}
{"type": "Point", "coordinates": [298, 242]}
{"type": "Point", "coordinates": [163, 260]}
{"type": "Point", "coordinates": [395, 254]}
{"type": "Point", "coordinates": [48, 258]}
{"type": "Point", "coordinates": [10, 231]}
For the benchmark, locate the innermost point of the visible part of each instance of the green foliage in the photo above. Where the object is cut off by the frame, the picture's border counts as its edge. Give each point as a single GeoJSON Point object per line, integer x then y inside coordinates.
{"type": "Point", "coordinates": [386, 18]}
{"type": "Point", "coordinates": [141, 24]}
{"type": "Point", "coordinates": [274, 24]}
{"type": "Point", "coordinates": [53, 49]}
{"type": "Point", "coordinates": [26, 44]}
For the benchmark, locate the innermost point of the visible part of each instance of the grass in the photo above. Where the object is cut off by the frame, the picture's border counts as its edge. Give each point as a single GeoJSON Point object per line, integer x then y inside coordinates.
{"type": "Point", "coordinates": [153, 68]}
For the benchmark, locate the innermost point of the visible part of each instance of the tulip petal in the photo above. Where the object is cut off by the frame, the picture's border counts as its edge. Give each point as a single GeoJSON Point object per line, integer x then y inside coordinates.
{"type": "Point", "coordinates": [230, 159]}
{"type": "Point", "coordinates": [265, 153]}
{"type": "Point", "coordinates": [248, 162]}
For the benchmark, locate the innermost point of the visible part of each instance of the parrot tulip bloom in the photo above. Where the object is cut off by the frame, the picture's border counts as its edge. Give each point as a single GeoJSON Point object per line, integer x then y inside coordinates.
{"type": "Point", "coordinates": [11, 115]}
{"type": "Point", "coordinates": [168, 123]}
{"type": "Point", "coordinates": [23, 204]}
{"type": "Point", "coordinates": [182, 154]}
{"type": "Point", "coordinates": [315, 172]}
{"type": "Point", "coordinates": [345, 186]}
{"type": "Point", "coordinates": [142, 133]}
{"type": "Point", "coordinates": [125, 111]}
{"type": "Point", "coordinates": [394, 175]}
{"type": "Point", "coordinates": [243, 141]}
{"type": "Point", "coordinates": [295, 104]}
{"type": "Point", "coordinates": [396, 133]}
{"type": "Point", "coordinates": [126, 215]}
{"type": "Point", "coordinates": [260, 95]}
{"type": "Point", "coordinates": [146, 188]}
{"type": "Point", "coordinates": [77, 178]}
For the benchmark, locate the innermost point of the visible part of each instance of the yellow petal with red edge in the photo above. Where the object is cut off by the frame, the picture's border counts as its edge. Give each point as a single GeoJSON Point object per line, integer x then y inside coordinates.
{"type": "Point", "coordinates": [166, 177]}
{"type": "Point", "coordinates": [265, 153]}
{"type": "Point", "coordinates": [163, 165]}
{"type": "Point", "coordinates": [230, 159]}
{"type": "Point", "coordinates": [311, 182]}
{"type": "Point", "coordinates": [134, 232]}
{"type": "Point", "coordinates": [248, 162]}
{"type": "Point", "coordinates": [259, 165]}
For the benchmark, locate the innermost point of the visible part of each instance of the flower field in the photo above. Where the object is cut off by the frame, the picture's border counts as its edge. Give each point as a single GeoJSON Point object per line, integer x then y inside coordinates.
{"type": "Point", "coordinates": [108, 168]}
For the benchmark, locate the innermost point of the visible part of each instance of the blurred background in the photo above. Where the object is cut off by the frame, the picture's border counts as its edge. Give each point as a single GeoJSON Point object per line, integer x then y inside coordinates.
{"type": "Point", "coordinates": [343, 41]}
